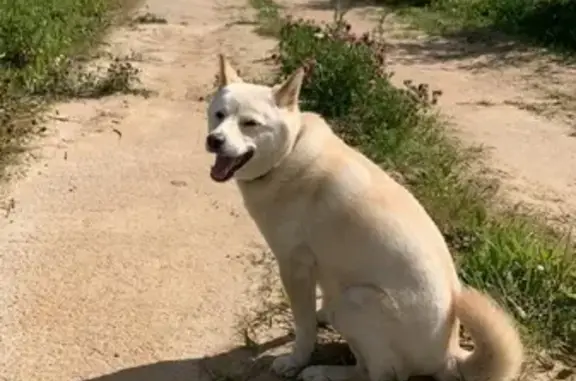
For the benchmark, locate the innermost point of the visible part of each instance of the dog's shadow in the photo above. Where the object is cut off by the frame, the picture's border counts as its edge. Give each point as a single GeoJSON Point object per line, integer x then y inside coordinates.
{"type": "Point", "coordinates": [238, 364]}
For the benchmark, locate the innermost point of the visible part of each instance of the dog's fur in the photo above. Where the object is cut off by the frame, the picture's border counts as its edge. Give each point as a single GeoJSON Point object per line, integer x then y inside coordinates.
{"type": "Point", "coordinates": [334, 218]}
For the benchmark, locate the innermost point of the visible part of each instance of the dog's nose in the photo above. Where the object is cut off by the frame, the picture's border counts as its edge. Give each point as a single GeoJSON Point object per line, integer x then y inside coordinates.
{"type": "Point", "coordinates": [215, 141]}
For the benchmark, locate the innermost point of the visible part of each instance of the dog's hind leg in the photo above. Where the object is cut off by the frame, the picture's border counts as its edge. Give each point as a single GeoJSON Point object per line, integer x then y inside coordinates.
{"type": "Point", "coordinates": [366, 320]}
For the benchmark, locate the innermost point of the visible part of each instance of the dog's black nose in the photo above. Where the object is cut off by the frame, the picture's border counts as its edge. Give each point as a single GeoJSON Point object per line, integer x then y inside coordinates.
{"type": "Point", "coordinates": [215, 141]}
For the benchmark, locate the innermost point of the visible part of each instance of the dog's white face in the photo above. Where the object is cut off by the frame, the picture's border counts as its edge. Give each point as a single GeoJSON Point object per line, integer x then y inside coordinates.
{"type": "Point", "coordinates": [247, 129]}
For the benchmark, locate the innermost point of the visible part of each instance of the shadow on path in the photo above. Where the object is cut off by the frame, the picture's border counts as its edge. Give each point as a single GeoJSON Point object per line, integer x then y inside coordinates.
{"type": "Point", "coordinates": [238, 364]}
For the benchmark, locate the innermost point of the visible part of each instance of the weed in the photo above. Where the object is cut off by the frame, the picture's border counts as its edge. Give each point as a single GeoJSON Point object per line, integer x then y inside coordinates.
{"type": "Point", "coordinates": [268, 17]}
{"type": "Point", "coordinates": [119, 77]}
{"type": "Point", "coordinates": [525, 265]}
{"type": "Point", "coordinates": [150, 18]}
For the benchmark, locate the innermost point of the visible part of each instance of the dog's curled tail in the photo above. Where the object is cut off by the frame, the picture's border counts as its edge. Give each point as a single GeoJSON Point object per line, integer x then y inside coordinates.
{"type": "Point", "coordinates": [498, 351]}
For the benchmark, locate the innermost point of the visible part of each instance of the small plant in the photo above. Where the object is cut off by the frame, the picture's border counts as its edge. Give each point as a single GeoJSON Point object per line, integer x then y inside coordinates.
{"type": "Point", "coordinates": [119, 77]}
{"type": "Point", "coordinates": [422, 93]}
{"type": "Point", "coordinates": [150, 18]}
{"type": "Point", "coordinates": [268, 17]}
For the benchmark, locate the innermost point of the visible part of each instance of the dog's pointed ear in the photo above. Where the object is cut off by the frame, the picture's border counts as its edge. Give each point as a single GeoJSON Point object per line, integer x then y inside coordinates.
{"type": "Point", "coordinates": [227, 74]}
{"type": "Point", "coordinates": [287, 94]}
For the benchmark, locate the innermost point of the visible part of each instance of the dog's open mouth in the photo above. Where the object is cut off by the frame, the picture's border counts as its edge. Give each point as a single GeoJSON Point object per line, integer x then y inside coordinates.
{"type": "Point", "coordinates": [225, 166]}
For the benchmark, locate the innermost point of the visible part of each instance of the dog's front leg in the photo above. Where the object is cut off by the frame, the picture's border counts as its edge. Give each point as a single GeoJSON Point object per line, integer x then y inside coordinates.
{"type": "Point", "coordinates": [298, 278]}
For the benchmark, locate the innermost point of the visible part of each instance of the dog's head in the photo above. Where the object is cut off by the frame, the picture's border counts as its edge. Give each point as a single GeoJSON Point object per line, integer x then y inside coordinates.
{"type": "Point", "coordinates": [251, 127]}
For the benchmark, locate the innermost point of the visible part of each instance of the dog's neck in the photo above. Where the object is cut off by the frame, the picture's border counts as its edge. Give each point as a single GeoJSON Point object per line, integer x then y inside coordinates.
{"type": "Point", "coordinates": [305, 149]}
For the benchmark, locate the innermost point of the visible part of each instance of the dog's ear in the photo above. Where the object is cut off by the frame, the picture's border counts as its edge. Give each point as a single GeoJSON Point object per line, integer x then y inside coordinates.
{"type": "Point", "coordinates": [227, 74]}
{"type": "Point", "coordinates": [287, 94]}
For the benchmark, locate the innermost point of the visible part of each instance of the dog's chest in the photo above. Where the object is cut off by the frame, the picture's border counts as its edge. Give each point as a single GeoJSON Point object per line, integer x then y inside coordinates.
{"type": "Point", "coordinates": [281, 222]}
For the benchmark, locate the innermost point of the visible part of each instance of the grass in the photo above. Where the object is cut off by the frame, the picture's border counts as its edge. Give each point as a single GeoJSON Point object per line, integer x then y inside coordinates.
{"type": "Point", "coordinates": [550, 23]}
{"type": "Point", "coordinates": [517, 258]}
{"type": "Point", "coordinates": [267, 17]}
{"type": "Point", "coordinates": [39, 43]}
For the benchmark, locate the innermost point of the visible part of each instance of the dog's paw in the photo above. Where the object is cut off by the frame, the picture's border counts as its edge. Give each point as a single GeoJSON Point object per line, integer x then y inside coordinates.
{"type": "Point", "coordinates": [313, 373]}
{"type": "Point", "coordinates": [287, 365]}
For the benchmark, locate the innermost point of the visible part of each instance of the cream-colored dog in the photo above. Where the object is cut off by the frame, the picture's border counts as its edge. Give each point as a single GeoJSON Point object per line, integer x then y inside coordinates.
{"type": "Point", "coordinates": [334, 218]}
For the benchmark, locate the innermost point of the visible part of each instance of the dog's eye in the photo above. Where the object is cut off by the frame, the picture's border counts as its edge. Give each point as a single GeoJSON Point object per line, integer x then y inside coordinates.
{"type": "Point", "coordinates": [219, 115]}
{"type": "Point", "coordinates": [249, 123]}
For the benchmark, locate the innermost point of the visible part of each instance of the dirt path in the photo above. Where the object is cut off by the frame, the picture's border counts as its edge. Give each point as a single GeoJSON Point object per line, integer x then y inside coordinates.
{"type": "Point", "coordinates": [518, 105]}
{"type": "Point", "coordinates": [120, 253]}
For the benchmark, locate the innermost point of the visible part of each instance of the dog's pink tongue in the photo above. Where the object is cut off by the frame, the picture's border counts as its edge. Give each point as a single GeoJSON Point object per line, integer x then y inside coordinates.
{"type": "Point", "coordinates": [221, 168]}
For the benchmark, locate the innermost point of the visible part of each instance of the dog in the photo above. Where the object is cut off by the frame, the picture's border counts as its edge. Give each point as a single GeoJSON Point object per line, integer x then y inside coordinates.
{"type": "Point", "coordinates": [335, 219]}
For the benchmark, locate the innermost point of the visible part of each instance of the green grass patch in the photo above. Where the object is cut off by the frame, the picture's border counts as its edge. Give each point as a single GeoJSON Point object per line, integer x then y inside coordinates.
{"type": "Point", "coordinates": [520, 261]}
{"type": "Point", "coordinates": [39, 40]}
{"type": "Point", "coordinates": [267, 17]}
{"type": "Point", "coordinates": [550, 23]}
